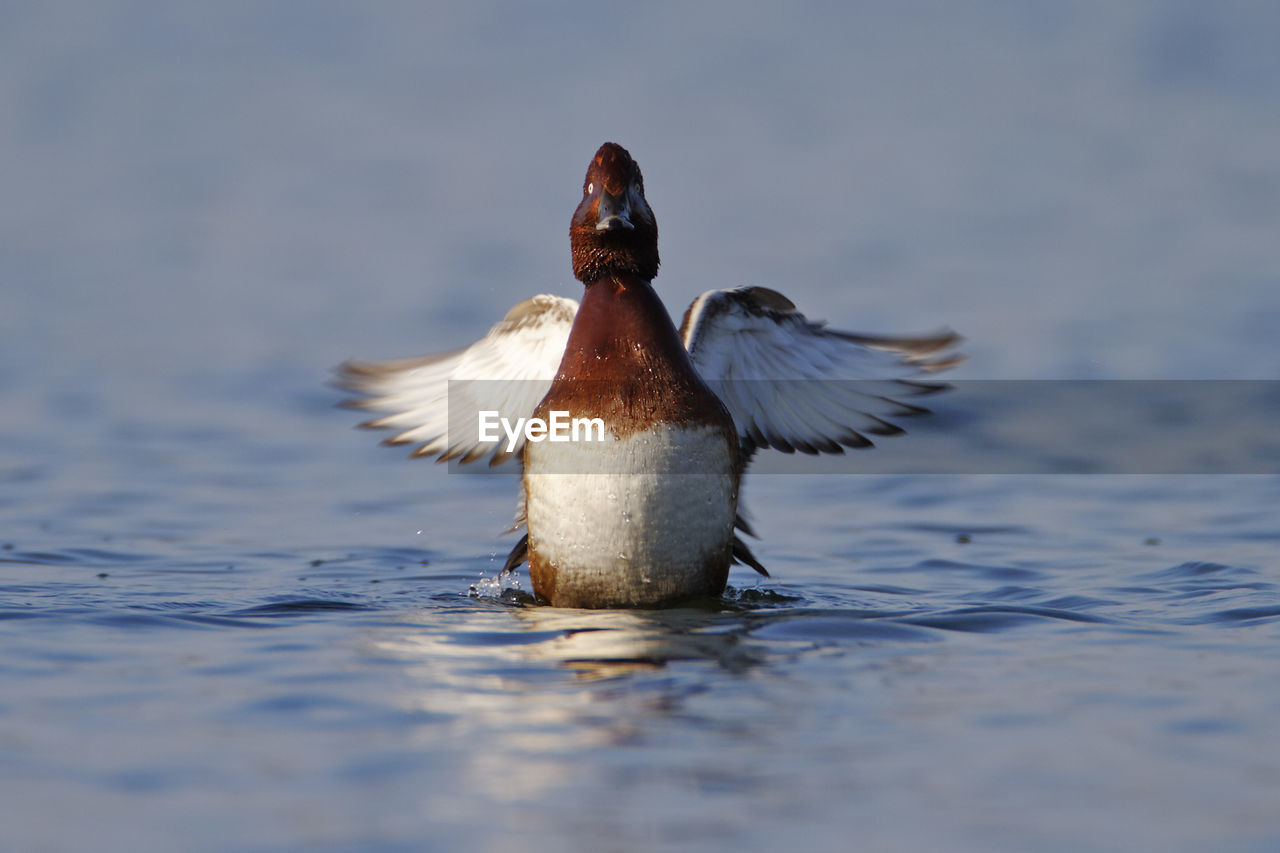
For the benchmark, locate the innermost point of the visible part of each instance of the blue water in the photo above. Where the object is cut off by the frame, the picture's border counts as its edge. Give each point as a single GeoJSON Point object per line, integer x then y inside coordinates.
{"type": "Point", "coordinates": [229, 621]}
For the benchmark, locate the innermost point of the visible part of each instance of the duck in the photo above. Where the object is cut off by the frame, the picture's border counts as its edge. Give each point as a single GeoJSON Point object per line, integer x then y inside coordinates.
{"type": "Point", "coordinates": [641, 509]}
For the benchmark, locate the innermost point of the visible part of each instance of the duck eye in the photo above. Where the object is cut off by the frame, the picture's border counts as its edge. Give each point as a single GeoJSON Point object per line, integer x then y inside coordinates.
{"type": "Point", "coordinates": [591, 187]}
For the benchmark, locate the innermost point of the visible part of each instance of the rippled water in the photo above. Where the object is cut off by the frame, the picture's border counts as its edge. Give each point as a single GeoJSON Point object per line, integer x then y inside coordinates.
{"type": "Point", "coordinates": [228, 621]}
{"type": "Point", "coordinates": [978, 662]}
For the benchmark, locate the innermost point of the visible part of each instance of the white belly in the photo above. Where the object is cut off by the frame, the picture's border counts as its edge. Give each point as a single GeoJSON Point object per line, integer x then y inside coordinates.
{"type": "Point", "coordinates": [635, 520]}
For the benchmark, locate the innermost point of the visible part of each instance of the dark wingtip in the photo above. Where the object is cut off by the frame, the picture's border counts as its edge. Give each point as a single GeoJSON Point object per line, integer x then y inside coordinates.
{"type": "Point", "coordinates": [519, 554]}
{"type": "Point", "coordinates": [927, 352]}
{"type": "Point", "coordinates": [742, 554]}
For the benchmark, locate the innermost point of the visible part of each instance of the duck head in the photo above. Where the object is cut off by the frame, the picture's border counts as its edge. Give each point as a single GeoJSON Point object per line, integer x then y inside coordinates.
{"type": "Point", "coordinates": [613, 230]}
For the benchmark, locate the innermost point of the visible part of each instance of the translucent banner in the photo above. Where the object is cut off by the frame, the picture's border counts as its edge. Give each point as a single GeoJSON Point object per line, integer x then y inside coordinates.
{"type": "Point", "coordinates": [886, 427]}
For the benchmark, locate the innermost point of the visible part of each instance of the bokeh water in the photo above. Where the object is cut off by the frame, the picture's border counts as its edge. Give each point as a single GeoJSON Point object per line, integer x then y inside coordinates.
{"type": "Point", "coordinates": [227, 621]}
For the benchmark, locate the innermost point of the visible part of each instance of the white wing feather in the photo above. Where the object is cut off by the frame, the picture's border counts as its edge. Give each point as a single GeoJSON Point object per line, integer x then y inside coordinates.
{"type": "Point", "coordinates": [435, 401]}
{"type": "Point", "coordinates": [792, 384]}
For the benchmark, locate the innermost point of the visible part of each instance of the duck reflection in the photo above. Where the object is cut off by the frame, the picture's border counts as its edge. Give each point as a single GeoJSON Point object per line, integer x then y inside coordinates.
{"type": "Point", "coordinates": [593, 644]}
{"type": "Point", "coordinates": [549, 686]}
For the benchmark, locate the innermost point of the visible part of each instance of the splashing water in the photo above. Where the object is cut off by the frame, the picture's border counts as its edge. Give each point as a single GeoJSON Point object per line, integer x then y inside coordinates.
{"type": "Point", "coordinates": [504, 586]}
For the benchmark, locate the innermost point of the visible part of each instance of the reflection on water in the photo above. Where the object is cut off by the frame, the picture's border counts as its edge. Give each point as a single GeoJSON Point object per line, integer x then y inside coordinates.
{"type": "Point", "coordinates": [593, 642]}
{"type": "Point", "coordinates": [1048, 642]}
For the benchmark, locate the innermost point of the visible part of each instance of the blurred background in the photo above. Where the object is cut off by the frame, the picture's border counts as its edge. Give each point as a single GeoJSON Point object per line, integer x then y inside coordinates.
{"type": "Point", "coordinates": [196, 192]}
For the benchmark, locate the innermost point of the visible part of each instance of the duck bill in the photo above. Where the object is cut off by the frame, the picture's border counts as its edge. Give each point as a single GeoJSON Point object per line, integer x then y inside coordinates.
{"type": "Point", "coordinates": [614, 212]}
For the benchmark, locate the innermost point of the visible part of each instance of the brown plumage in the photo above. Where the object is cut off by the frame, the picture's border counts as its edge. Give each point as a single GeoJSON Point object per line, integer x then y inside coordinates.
{"type": "Point", "coordinates": [613, 178]}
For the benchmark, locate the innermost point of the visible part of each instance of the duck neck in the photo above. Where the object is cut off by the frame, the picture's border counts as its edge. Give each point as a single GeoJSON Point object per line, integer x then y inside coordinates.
{"type": "Point", "coordinates": [621, 318]}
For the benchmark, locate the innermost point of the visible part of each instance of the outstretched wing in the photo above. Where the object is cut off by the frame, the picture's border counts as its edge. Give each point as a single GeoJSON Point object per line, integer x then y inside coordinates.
{"type": "Point", "coordinates": [435, 401]}
{"type": "Point", "coordinates": [792, 384]}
